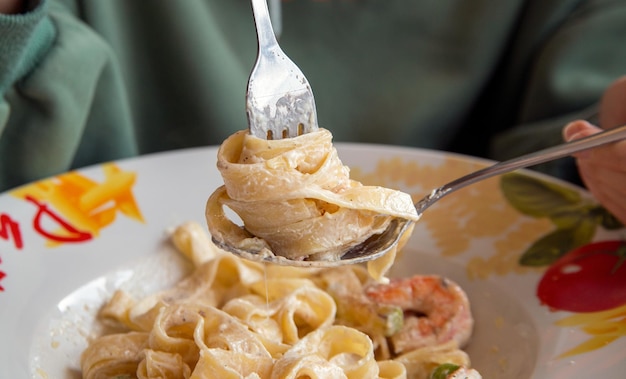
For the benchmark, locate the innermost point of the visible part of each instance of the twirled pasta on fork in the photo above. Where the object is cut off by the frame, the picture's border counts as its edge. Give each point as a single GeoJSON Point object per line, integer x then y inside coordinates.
{"type": "Point", "coordinates": [296, 199]}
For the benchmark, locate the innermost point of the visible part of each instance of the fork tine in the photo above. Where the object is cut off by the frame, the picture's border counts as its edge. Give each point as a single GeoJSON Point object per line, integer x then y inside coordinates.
{"type": "Point", "coordinates": [279, 99]}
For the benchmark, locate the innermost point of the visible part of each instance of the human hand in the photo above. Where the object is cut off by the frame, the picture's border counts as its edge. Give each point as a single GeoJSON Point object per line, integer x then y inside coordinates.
{"type": "Point", "coordinates": [12, 6]}
{"type": "Point", "coordinates": [603, 169]}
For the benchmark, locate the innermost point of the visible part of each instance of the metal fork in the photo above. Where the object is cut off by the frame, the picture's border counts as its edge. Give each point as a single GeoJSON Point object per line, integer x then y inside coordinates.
{"type": "Point", "coordinates": [279, 100]}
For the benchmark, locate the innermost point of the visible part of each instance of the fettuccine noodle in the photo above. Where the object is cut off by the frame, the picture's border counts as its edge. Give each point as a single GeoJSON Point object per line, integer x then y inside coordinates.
{"type": "Point", "coordinates": [232, 318]}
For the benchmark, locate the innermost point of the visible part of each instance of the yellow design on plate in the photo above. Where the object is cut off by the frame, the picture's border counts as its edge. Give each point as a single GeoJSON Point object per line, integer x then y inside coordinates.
{"type": "Point", "coordinates": [476, 212]}
{"type": "Point", "coordinates": [604, 328]}
{"type": "Point", "coordinates": [85, 205]}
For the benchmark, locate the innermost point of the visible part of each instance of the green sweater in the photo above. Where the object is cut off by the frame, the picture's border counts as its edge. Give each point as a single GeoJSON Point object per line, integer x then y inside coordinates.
{"type": "Point", "coordinates": [88, 81]}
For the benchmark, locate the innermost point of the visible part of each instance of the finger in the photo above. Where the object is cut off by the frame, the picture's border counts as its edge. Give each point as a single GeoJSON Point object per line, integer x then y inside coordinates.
{"type": "Point", "coordinates": [578, 129]}
{"type": "Point", "coordinates": [611, 156]}
{"type": "Point", "coordinates": [602, 176]}
{"type": "Point", "coordinates": [607, 186]}
{"type": "Point", "coordinates": [612, 109]}
{"type": "Point", "coordinates": [613, 200]}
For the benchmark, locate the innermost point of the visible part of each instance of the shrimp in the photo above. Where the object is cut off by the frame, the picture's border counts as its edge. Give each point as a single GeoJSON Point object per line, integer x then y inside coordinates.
{"type": "Point", "coordinates": [436, 310]}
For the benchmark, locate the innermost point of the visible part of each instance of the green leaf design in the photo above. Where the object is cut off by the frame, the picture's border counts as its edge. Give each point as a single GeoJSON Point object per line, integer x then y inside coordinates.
{"type": "Point", "coordinates": [575, 218]}
{"type": "Point", "coordinates": [568, 217]}
{"type": "Point", "coordinates": [535, 197]}
{"type": "Point", "coordinates": [606, 219]}
{"type": "Point", "coordinates": [555, 244]}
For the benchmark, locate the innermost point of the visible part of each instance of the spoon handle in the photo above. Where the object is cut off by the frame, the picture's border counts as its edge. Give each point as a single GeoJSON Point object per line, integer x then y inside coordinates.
{"type": "Point", "coordinates": [541, 156]}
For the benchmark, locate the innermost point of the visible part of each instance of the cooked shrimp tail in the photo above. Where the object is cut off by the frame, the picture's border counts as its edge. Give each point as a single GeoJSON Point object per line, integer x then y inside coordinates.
{"type": "Point", "coordinates": [436, 310]}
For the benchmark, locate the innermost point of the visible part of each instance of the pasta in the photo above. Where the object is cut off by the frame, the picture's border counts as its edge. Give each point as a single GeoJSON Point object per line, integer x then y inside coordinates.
{"type": "Point", "coordinates": [233, 318]}
{"type": "Point", "coordinates": [296, 199]}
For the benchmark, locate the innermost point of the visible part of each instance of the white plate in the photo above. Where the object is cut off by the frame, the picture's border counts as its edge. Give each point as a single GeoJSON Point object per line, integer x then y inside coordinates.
{"type": "Point", "coordinates": [50, 292]}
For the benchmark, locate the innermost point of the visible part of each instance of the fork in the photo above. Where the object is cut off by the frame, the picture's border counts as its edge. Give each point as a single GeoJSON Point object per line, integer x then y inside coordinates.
{"type": "Point", "coordinates": [279, 99]}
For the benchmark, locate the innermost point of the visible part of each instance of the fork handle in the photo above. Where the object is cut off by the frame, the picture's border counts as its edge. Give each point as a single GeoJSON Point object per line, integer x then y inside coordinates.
{"type": "Point", "coordinates": [265, 32]}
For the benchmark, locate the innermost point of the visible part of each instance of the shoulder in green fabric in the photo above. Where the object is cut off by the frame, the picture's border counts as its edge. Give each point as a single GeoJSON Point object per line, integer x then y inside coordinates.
{"type": "Point", "coordinates": [24, 39]}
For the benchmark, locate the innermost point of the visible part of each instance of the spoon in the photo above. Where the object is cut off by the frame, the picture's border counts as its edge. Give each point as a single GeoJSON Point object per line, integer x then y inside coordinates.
{"type": "Point", "coordinates": [378, 245]}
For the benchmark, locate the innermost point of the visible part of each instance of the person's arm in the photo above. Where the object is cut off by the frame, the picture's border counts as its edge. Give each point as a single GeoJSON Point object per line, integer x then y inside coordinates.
{"type": "Point", "coordinates": [62, 99]}
{"type": "Point", "coordinates": [603, 169]}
